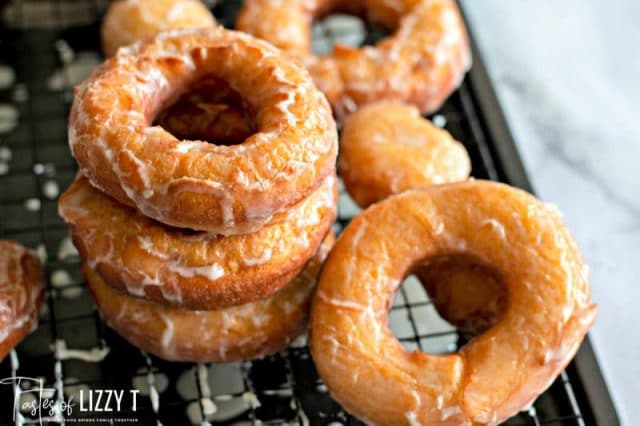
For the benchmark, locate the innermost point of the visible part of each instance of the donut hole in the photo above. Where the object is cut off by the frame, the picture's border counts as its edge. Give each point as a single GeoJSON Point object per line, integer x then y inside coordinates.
{"type": "Point", "coordinates": [415, 322]}
{"type": "Point", "coordinates": [467, 293]}
{"type": "Point", "coordinates": [445, 302]}
{"type": "Point", "coordinates": [209, 110]}
{"type": "Point", "coordinates": [346, 29]}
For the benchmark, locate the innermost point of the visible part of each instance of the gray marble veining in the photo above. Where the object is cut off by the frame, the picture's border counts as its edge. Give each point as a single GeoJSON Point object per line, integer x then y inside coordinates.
{"type": "Point", "coordinates": [567, 75]}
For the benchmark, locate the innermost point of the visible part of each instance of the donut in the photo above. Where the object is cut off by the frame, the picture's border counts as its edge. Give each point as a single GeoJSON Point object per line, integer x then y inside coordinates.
{"type": "Point", "coordinates": [21, 294]}
{"type": "Point", "coordinates": [192, 184]}
{"type": "Point", "coordinates": [387, 147]}
{"type": "Point", "coordinates": [238, 333]}
{"type": "Point", "coordinates": [421, 62]}
{"type": "Point", "coordinates": [468, 295]}
{"type": "Point", "coordinates": [209, 111]}
{"type": "Point", "coordinates": [498, 372]}
{"type": "Point", "coordinates": [193, 270]}
{"type": "Point", "coordinates": [128, 21]}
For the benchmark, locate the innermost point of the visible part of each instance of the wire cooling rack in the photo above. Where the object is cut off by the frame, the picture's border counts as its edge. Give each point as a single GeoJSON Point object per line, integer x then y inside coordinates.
{"type": "Point", "coordinates": [48, 46]}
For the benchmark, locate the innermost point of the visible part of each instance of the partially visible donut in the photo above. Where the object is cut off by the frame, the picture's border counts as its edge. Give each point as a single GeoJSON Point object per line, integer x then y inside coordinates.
{"type": "Point", "coordinates": [421, 62]}
{"type": "Point", "coordinates": [194, 270]}
{"type": "Point", "coordinates": [387, 147]}
{"type": "Point", "coordinates": [243, 332]}
{"type": "Point", "coordinates": [467, 294]}
{"type": "Point", "coordinates": [128, 21]}
{"type": "Point", "coordinates": [497, 373]}
{"type": "Point", "coordinates": [21, 294]}
{"type": "Point", "coordinates": [193, 184]}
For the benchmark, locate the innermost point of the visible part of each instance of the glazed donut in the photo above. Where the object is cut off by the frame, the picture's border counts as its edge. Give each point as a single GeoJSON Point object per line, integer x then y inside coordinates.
{"type": "Point", "coordinates": [421, 63]}
{"type": "Point", "coordinates": [387, 147]}
{"type": "Point", "coordinates": [209, 111]}
{"type": "Point", "coordinates": [194, 270]}
{"type": "Point", "coordinates": [128, 21]}
{"type": "Point", "coordinates": [497, 373]}
{"type": "Point", "coordinates": [242, 332]}
{"type": "Point", "coordinates": [21, 294]}
{"type": "Point", "coordinates": [193, 184]}
{"type": "Point", "coordinates": [469, 295]}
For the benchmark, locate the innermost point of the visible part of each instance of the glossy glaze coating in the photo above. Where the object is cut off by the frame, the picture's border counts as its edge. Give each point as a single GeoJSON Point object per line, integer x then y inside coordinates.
{"type": "Point", "coordinates": [239, 333]}
{"type": "Point", "coordinates": [194, 184]}
{"type": "Point", "coordinates": [196, 270]}
{"type": "Point", "coordinates": [421, 62]}
{"type": "Point", "coordinates": [128, 21]}
{"type": "Point", "coordinates": [496, 374]}
{"type": "Point", "coordinates": [21, 294]}
{"type": "Point", "coordinates": [387, 148]}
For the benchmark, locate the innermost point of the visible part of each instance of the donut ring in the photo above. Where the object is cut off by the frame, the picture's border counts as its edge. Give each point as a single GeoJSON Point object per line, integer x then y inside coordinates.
{"type": "Point", "coordinates": [128, 21]}
{"type": "Point", "coordinates": [421, 63]}
{"type": "Point", "coordinates": [193, 270]}
{"type": "Point", "coordinates": [496, 374]}
{"type": "Point", "coordinates": [193, 184]}
{"type": "Point", "coordinates": [211, 110]}
{"type": "Point", "coordinates": [21, 294]}
{"type": "Point", "coordinates": [468, 295]}
{"type": "Point", "coordinates": [387, 147]}
{"type": "Point", "coordinates": [239, 333]}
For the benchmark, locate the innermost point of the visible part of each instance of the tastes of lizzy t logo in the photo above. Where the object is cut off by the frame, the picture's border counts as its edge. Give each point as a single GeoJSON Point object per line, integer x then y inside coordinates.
{"type": "Point", "coordinates": [32, 399]}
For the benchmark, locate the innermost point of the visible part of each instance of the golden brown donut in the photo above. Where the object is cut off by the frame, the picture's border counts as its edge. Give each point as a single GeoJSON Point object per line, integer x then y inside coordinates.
{"type": "Point", "coordinates": [128, 21]}
{"type": "Point", "coordinates": [242, 332]}
{"type": "Point", "coordinates": [222, 189]}
{"type": "Point", "coordinates": [467, 294]}
{"type": "Point", "coordinates": [387, 147]}
{"type": "Point", "coordinates": [209, 111]}
{"type": "Point", "coordinates": [497, 373]}
{"type": "Point", "coordinates": [21, 294]}
{"type": "Point", "coordinates": [421, 62]}
{"type": "Point", "coordinates": [195, 270]}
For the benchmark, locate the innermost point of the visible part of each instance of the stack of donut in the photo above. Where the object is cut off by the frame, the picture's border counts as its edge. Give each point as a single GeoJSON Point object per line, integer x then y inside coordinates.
{"type": "Point", "coordinates": [199, 251]}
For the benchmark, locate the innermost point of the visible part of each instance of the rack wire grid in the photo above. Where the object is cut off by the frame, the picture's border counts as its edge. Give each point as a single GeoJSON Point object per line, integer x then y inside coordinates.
{"type": "Point", "coordinates": [45, 48]}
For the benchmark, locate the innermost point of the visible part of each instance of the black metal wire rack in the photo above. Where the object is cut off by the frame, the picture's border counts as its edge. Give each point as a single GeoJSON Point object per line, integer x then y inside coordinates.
{"type": "Point", "coordinates": [46, 47]}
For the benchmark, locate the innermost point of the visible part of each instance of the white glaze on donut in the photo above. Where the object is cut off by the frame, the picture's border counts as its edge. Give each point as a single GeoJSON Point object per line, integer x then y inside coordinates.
{"type": "Point", "coordinates": [21, 292]}
{"type": "Point", "coordinates": [421, 62]}
{"type": "Point", "coordinates": [497, 373]}
{"type": "Point", "coordinates": [235, 333]}
{"type": "Point", "coordinates": [145, 258]}
{"type": "Point", "coordinates": [293, 149]}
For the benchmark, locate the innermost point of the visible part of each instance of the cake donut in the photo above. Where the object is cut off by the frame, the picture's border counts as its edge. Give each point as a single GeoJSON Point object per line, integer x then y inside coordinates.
{"type": "Point", "coordinates": [193, 184]}
{"type": "Point", "coordinates": [128, 21]}
{"type": "Point", "coordinates": [209, 111]}
{"type": "Point", "coordinates": [469, 295]}
{"type": "Point", "coordinates": [421, 62]}
{"type": "Point", "coordinates": [494, 375]}
{"type": "Point", "coordinates": [387, 147]}
{"type": "Point", "coordinates": [193, 270]}
{"type": "Point", "coordinates": [238, 333]}
{"type": "Point", "coordinates": [21, 294]}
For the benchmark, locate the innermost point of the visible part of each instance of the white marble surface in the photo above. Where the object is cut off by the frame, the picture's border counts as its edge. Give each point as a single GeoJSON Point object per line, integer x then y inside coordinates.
{"type": "Point", "coordinates": [567, 75]}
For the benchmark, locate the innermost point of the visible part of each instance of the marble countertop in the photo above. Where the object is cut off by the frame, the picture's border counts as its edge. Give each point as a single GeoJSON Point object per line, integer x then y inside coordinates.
{"type": "Point", "coordinates": [570, 89]}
